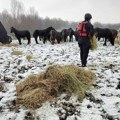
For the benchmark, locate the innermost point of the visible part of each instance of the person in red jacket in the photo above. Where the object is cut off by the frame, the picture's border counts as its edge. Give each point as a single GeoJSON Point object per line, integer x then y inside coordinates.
{"type": "Point", "coordinates": [85, 31]}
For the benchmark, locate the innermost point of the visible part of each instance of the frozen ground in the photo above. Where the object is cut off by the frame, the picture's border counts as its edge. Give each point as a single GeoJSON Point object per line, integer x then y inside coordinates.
{"type": "Point", "coordinates": [102, 102]}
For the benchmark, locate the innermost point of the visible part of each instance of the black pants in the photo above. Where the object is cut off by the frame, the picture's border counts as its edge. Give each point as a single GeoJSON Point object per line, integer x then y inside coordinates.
{"type": "Point", "coordinates": [84, 44]}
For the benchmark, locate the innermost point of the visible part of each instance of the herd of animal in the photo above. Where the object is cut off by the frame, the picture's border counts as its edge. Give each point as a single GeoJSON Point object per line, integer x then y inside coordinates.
{"type": "Point", "coordinates": [51, 34]}
{"type": "Point", "coordinates": [46, 34]}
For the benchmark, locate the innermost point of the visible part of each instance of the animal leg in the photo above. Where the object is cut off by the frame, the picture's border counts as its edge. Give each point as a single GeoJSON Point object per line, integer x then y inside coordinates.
{"type": "Point", "coordinates": [19, 41]}
{"type": "Point", "coordinates": [105, 42]}
{"type": "Point", "coordinates": [44, 40]}
{"type": "Point", "coordinates": [36, 40]}
{"type": "Point", "coordinates": [29, 41]}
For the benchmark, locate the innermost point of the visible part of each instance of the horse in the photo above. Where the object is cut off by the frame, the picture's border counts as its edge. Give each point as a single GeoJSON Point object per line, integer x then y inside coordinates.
{"type": "Point", "coordinates": [71, 33]}
{"type": "Point", "coordinates": [104, 33]}
{"type": "Point", "coordinates": [21, 34]}
{"type": "Point", "coordinates": [65, 33]}
{"type": "Point", "coordinates": [44, 34]}
{"type": "Point", "coordinates": [55, 35]}
{"type": "Point", "coordinates": [38, 33]}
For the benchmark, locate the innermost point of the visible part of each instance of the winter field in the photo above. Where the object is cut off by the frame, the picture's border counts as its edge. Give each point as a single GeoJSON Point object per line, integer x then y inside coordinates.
{"type": "Point", "coordinates": [102, 102]}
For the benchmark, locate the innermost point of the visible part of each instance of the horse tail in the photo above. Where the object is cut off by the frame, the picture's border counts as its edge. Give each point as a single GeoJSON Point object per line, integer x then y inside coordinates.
{"type": "Point", "coordinates": [63, 35]}
{"type": "Point", "coordinates": [52, 36]}
{"type": "Point", "coordinates": [35, 33]}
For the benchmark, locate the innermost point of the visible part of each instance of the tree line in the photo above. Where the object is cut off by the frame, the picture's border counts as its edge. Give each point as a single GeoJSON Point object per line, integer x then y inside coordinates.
{"type": "Point", "coordinates": [30, 20]}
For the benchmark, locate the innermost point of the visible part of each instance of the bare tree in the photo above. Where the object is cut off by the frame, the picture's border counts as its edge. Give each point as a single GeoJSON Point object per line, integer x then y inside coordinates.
{"type": "Point", "coordinates": [17, 9]}
{"type": "Point", "coordinates": [6, 20]}
{"type": "Point", "coordinates": [32, 21]}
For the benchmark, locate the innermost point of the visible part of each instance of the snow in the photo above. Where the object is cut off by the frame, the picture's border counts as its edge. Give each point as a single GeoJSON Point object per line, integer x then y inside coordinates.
{"type": "Point", "coordinates": [105, 62]}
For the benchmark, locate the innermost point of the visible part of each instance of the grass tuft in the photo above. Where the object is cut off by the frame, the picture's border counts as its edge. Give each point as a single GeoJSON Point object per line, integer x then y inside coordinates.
{"type": "Point", "coordinates": [93, 41]}
{"type": "Point", "coordinates": [29, 57]}
{"type": "Point", "coordinates": [16, 52]}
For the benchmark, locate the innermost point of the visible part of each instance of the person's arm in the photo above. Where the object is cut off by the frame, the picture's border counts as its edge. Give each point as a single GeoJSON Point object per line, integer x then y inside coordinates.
{"type": "Point", "coordinates": [89, 28]}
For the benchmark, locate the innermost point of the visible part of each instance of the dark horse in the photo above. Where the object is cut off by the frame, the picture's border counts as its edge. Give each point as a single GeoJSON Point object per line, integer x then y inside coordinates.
{"type": "Point", "coordinates": [104, 33]}
{"type": "Point", "coordinates": [55, 35]}
{"type": "Point", "coordinates": [73, 33]}
{"type": "Point", "coordinates": [45, 34]}
{"type": "Point", "coordinates": [65, 33]}
{"type": "Point", "coordinates": [21, 34]}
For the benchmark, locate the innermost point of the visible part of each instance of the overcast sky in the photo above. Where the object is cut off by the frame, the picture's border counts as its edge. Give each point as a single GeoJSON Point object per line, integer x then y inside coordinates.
{"type": "Point", "coordinates": [104, 11]}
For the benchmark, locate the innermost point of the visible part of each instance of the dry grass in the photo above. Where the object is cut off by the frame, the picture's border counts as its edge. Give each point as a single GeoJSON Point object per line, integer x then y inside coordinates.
{"type": "Point", "coordinates": [117, 41]}
{"type": "Point", "coordinates": [29, 57]}
{"type": "Point", "coordinates": [93, 43]}
{"type": "Point", "coordinates": [16, 52]}
{"type": "Point", "coordinates": [9, 45]}
{"type": "Point", "coordinates": [37, 89]}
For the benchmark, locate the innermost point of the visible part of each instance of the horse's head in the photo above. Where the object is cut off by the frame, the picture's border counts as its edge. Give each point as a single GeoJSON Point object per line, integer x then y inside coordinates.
{"type": "Point", "coordinates": [50, 28]}
{"type": "Point", "coordinates": [114, 33]}
{"type": "Point", "coordinates": [112, 40]}
{"type": "Point", "coordinates": [96, 31]}
{"type": "Point", "coordinates": [12, 29]}
{"type": "Point", "coordinates": [70, 30]}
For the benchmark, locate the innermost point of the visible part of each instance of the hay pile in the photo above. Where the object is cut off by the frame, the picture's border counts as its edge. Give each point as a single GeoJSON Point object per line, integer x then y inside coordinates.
{"type": "Point", "coordinates": [37, 89]}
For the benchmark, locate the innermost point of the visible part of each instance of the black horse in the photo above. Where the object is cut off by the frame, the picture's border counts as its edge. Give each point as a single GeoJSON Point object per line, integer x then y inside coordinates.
{"type": "Point", "coordinates": [21, 34]}
{"type": "Point", "coordinates": [55, 35]}
{"type": "Point", "coordinates": [65, 33]}
{"type": "Point", "coordinates": [104, 33]}
{"type": "Point", "coordinates": [71, 34]}
{"type": "Point", "coordinates": [38, 33]}
{"type": "Point", "coordinates": [44, 34]}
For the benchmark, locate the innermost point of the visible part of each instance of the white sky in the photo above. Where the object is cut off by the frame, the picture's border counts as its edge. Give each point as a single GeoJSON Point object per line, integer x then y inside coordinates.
{"type": "Point", "coordinates": [104, 11]}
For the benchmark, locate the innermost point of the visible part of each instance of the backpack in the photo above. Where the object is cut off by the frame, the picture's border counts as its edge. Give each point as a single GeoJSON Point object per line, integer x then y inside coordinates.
{"type": "Point", "coordinates": [82, 29]}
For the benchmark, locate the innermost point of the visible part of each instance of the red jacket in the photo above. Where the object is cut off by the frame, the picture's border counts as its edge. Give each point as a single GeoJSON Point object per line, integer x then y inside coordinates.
{"type": "Point", "coordinates": [82, 29]}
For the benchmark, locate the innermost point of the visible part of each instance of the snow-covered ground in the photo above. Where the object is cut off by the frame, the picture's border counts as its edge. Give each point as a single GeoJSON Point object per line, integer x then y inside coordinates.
{"type": "Point", "coordinates": [102, 102]}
